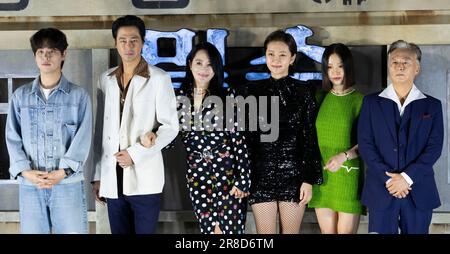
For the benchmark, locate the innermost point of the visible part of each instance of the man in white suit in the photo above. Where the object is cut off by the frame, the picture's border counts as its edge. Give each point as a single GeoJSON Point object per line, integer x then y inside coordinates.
{"type": "Point", "coordinates": [132, 99]}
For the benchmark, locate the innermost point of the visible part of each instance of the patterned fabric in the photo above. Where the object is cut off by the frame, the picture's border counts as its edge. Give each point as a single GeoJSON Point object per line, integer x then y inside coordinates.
{"type": "Point", "coordinates": [280, 167]}
{"type": "Point", "coordinates": [217, 161]}
{"type": "Point", "coordinates": [141, 70]}
{"type": "Point", "coordinates": [336, 130]}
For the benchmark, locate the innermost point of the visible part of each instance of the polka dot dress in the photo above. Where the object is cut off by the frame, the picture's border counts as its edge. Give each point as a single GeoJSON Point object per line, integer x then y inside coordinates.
{"type": "Point", "coordinates": [217, 161]}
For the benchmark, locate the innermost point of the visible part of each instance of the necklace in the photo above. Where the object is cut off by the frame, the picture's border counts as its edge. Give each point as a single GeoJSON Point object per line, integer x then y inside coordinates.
{"type": "Point", "coordinates": [343, 93]}
{"type": "Point", "coordinates": [200, 91]}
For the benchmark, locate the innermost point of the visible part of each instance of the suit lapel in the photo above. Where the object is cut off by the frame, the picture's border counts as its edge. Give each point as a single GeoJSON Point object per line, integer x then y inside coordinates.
{"type": "Point", "coordinates": [114, 92]}
{"type": "Point", "coordinates": [136, 85]}
{"type": "Point", "coordinates": [416, 111]}
{"type": "Point", "coordinates": [388, 114]}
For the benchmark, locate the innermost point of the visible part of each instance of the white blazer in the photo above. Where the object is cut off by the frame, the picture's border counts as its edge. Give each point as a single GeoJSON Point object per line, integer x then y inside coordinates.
{"type": "Point", "coordinates": [149, 104]}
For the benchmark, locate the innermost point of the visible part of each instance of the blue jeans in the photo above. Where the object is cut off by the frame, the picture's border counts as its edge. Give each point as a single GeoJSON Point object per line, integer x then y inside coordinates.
{"type": "Point", "coordinates": [61, 209]}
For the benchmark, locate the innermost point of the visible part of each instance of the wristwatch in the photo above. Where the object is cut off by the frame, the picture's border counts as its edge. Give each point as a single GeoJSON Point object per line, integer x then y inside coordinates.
{"type": "Point", "coordinates": [68, 171]}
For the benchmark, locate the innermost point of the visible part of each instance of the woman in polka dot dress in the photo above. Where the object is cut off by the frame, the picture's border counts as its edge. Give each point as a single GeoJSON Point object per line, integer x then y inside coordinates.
{"type": "Point", "coordinates": [218, 172]}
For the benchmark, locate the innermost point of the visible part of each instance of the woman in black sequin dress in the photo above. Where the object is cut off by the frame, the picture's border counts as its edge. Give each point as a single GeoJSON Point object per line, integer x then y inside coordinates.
{"type": "Point", "coordinates": [283, 171]}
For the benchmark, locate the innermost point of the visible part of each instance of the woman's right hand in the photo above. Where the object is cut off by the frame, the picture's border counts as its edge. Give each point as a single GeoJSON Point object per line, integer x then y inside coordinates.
{"type": "Point", "coordinates": [335, 162]}
{"type": "Point", "coordinates": [148, 140]}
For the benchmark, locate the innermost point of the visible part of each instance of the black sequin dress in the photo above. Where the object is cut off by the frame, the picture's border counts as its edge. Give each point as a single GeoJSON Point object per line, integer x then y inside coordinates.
{"type": "Point", "coordinates": [280, 167]}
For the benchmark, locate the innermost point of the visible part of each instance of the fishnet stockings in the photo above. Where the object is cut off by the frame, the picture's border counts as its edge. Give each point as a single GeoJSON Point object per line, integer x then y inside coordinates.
{"type": "Point", "coordinates": [291, 215]}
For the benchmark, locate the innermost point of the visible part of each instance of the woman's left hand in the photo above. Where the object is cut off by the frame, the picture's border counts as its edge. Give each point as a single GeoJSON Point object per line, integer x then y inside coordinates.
{"type": "Point", "coordinates": [305, 193]}
{"type": "Point", "coordinates": [238, 193]}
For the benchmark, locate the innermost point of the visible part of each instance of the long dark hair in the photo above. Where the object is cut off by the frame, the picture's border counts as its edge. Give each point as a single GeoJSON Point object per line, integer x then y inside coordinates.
{"type": "Point", "coordinates": [216, 84]}
{"type": "Point", "coordinates": [347, 61]}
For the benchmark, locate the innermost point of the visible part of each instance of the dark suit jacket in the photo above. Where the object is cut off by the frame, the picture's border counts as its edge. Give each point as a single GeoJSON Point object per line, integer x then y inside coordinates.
{"type": "Point", "coordinates": [384, 147]}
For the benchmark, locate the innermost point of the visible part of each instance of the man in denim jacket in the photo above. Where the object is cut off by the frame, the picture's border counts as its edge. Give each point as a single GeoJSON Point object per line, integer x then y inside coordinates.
{"type": "Point", "coordinates": [48, 135]}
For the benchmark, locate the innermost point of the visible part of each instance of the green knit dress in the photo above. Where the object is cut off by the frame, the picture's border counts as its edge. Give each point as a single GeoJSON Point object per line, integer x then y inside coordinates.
{"type": "Point", "coordinates": [336, 126]}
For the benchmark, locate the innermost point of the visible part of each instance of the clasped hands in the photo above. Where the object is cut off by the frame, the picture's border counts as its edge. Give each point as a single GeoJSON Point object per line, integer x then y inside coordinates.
{"type": "Point", "coordinates": [397, 185]}
{"type": "Point", "coordinates": [44, 179]}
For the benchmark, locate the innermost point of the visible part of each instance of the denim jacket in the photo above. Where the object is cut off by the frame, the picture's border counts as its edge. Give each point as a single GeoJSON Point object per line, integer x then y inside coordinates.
{"type": "Point", "coordinates": [48, 135]}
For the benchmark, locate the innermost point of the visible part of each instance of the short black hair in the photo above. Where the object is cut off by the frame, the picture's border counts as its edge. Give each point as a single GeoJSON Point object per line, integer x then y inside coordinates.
{"type": "Point", "coordinates": [286, 38]}
{"type": "Point", "coordinates": [280, 35]}
{"type": "Point", "coordinates": [128, 20]}
{"type": "Point", "coordinates": [49, 38]}
{"type": "Point", "coordinates": [346, 57]}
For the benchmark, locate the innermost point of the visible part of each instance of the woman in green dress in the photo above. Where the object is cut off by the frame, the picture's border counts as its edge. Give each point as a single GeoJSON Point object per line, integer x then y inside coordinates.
{"type": "Point", "coordinates": [336, 201]}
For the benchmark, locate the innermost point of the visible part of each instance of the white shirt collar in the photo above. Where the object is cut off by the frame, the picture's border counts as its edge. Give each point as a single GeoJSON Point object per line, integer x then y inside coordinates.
{"type": "Point", "coordinates": [414, 94]}
{"type": "Point", "coordinates": [47, 91]}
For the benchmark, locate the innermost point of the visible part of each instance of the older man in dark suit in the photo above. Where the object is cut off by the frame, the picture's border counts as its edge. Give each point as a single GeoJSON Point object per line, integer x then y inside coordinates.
{"type": "Point", "coordinates": [400, 135]}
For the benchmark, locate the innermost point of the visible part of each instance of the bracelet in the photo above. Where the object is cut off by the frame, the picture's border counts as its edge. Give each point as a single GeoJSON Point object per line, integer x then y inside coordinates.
{"type": "Point", "coordinates": [346, 156]}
